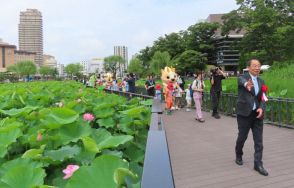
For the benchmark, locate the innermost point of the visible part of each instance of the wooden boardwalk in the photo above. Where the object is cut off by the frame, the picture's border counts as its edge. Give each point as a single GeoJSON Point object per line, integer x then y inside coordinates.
{"type": "Point", "coordinates": [202, 154]}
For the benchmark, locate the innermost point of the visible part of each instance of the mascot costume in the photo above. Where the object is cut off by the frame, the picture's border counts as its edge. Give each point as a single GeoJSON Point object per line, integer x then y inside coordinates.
{"type": "Point", "coordinates": [168, 74]}
{"type": "Point", "coordinates": [168, 77]}
{"type": "Point", "coordinates": [107, 79]}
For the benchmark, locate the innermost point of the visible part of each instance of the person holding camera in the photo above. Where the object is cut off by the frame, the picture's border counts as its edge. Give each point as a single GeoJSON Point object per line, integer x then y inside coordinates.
{"type": "Point", "coordinates": [216, 87]}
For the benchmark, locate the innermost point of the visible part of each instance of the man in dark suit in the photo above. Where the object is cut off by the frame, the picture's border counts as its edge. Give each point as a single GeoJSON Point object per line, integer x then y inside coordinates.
{"type": "Point", "coordinates": [250, 110]}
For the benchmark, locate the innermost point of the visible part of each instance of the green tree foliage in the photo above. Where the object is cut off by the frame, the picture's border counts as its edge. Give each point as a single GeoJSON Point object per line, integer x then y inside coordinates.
{"type": "Point", "coordinates": [48, 71]}
{"type": "Point", "coordinates": [23, 68]}
{"type": "Point", "coordinates": [198, 37]}
{"type": "Point", "coordinates": [269, 27]}
{"type": "Point", "coordinates": [73, 70]}
{"type": "Point", "coordinates": [113, 64]}
{"type": "Point", "coordinates": [190, 61]}
{"type": "Point", "coordinates": [159, 61]}
{"type": "Point", "coordinates": [136, 67]}
{"type": "Point", "coordinates": [172, 43]}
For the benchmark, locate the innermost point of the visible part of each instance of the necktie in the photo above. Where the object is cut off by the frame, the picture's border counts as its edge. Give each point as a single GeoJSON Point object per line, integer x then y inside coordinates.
{"type": "Point", "coordinates": [255, 83]}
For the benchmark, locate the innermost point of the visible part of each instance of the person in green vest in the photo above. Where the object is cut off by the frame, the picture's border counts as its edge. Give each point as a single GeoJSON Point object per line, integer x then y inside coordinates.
{"type": "Point", "coordinates": [92, 80]}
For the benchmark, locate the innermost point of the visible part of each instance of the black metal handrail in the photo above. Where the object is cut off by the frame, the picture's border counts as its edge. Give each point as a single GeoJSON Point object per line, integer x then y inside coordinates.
{"type": "Point", "coordinates": [128, 94]}
{"type": "Point", "coordinates": [279, 111]}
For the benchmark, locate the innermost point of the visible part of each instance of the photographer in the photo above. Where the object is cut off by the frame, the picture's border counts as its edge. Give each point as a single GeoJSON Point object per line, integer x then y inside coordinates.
{"type": "Point", "coordinates": [216, 87]}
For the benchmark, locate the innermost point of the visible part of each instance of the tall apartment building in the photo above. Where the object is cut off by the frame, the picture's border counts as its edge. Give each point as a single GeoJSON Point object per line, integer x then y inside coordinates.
{"type": "Point", "coordinates": [123, 52]}
{"type": "Point", "coordinates": [226, 54]}
{"type": "Point", "coordinates": [30, 33]}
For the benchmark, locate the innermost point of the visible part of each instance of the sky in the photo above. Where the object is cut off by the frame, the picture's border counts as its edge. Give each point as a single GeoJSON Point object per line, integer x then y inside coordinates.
{"type": "Point", "coordinates": [79, 30]}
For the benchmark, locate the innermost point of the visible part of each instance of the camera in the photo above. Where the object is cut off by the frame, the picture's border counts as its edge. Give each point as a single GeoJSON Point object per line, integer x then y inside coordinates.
{"type": "Point", "coordinates": [214, 70]}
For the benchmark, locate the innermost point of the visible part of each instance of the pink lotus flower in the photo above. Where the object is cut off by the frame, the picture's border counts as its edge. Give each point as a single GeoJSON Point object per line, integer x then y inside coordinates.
{"type": "Point", "coordinates": [39, 137]}
{"type": "Point", "coordinates": [70, 169]}
{"type": "Point", "coordinates": [88, 117]}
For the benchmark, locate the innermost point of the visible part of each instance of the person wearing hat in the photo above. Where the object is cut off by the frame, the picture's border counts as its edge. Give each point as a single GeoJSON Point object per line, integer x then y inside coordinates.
{"type": "Point", "coordinates": [158, 92]}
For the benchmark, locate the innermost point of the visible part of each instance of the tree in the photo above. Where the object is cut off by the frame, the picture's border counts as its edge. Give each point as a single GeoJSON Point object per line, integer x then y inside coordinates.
{"type": "Point", "coordinates": [23, 68]}
{"type": "Point", "coordinates": [145, 56]}
{"type": "Point", "coordinates": [159, 61]}
{"type": "Point", "coordinates": [48, 71]}
{"type": "Point", "coordinates": [172, 43]}
{"type": "Point", "coordinates": [73, 69]}
{"type": "Point", "coordinates": [189, 61]}
{"type": "Point", "coordinates": [113, 63]}
{"type": "Point", "coordinates": [136, 67]}
{"type": "Point", "coordinates": [269, 26]}
{"type": "Point", "coordinates": [199, 37]}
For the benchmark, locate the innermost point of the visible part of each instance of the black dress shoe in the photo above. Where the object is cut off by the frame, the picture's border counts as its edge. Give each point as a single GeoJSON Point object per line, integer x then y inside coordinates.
{"type": "Point", "coordinates": [261, 170]}
{"type": "Point", "coordinates": [239, 161]}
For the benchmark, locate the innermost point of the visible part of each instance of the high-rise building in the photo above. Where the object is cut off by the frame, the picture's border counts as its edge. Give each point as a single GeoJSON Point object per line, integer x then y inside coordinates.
{"type": "Point", "coordinates": [123, 52]}
{"type": "Point", "coordinates": [30, 33]}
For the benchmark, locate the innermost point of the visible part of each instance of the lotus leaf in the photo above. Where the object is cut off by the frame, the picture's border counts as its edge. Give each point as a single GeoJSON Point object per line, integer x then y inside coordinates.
{"type": "Point", "coordinates": [125, 125]}
{"type": "Point", "coordinates": [16, 112]}
{"type": "Point", "coordinates": [71, 132]}
{"type": "Point", "coordinates": [90, 144]}
{"type": "Point", "coordinates": [104, 113]}
{"type": "Point", "coordinates": [104, 139]}
{"type": "Point", "coordinates": [63, 115]}
{"type": "Point", "coordinates": [21, 173]}
{"type": "Point", "coordinates": [134, 153]}
{"type": "Point", "coordinates": [107, 122]}
{"type": "Point", "coordinates": [99, 174]}
{"type": "Point", "coordinates": [34, 153]}
{"type": "Point", "coordinates": [123, 176]}
{"type": "Point", "coordinates": [7, 137]}
{"type": "Point", "coordinates": [65, 152]}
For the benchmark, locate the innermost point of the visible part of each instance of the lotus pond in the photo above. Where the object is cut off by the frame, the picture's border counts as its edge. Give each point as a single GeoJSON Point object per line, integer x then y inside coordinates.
{"type": "Point", "coordinates": [60, 134]}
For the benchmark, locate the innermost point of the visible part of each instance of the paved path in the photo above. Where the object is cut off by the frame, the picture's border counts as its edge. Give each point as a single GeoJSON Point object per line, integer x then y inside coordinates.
{"type": "Point", "coordinates": [202, 154]}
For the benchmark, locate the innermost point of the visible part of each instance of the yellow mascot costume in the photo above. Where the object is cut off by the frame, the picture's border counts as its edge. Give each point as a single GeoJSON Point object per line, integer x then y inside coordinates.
{"type": "Point", "coordinates": [168, 74]}
{"type": "Point", "coordinates": [107, 79]}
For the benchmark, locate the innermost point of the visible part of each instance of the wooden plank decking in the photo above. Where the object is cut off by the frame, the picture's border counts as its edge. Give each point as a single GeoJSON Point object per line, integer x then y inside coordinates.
{"type": "Point", "coordinates": [202, 154]}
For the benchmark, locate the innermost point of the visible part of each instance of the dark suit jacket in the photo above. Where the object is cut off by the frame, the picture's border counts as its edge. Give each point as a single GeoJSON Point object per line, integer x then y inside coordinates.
{"type": "Point", "coordinates": [246, 99]}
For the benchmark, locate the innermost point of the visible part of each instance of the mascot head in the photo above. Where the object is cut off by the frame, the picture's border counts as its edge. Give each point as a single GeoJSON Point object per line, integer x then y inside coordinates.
{"type": "Point", "coordinates": [108, 77]}
{"type": "Point", "coordinates": [168, 74]}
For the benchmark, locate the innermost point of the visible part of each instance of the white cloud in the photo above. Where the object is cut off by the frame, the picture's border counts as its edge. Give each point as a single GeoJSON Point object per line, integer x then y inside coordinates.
{"type": "Point", "coordinates": [82, 29]}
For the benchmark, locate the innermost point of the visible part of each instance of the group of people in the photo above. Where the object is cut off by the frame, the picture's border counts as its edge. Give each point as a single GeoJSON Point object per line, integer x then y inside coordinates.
{"type": "Point", "coordinates": [174, 95]}
{"type": "Point", "coordinates": [110, 82]}
{"type": "Point", "coordinates": [194, 91]}
{"type": "Point", "coordinates": [250, 106]}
